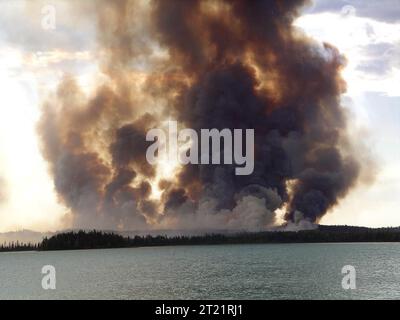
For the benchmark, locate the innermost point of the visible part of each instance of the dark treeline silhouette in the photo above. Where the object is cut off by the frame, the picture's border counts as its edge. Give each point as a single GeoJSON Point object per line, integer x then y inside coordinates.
{"type": "Point", "coordinates": [85, 240]}
{"type": "Point", "coordinates": [17, 246]}
{"type": "Point", "coordinates": [101, 240]}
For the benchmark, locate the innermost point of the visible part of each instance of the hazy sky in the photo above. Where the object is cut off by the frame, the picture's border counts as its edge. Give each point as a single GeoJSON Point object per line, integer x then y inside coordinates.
{"type": "Point", "coordinates": [33, 59]}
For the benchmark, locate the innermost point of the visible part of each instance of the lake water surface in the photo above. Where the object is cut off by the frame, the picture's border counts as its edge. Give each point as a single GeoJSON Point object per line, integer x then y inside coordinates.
{"type": "Point", "coordinates": [265, 271]}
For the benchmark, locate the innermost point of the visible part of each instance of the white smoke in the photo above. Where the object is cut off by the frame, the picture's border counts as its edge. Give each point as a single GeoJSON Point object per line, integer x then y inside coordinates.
{"type": "Point", "coordinates": [299, 223]}
{"type": "Point", "coordinates": [251, 213]}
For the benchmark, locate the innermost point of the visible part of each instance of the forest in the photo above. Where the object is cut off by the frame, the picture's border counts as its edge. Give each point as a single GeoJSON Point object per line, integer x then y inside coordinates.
{"type": "Point", "coordinates": [94, 239]}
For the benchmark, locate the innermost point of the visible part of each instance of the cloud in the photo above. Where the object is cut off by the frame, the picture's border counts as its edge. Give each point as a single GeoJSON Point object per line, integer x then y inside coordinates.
{"type": "Point", "coordinates": [21, 26]}
{"type": "Point", "coordinates": [379, 59]}
{"type": "Point", "coordinates": [383, 10]}
{"type": "Point", "coordinates": [371, 47]}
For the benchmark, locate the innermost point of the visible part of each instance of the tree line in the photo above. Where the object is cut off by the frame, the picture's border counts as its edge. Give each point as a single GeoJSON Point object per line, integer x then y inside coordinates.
{"type": "Point", "coordinates": [74, 240]}
{"type": "Point", "coordinates": [18, 246]}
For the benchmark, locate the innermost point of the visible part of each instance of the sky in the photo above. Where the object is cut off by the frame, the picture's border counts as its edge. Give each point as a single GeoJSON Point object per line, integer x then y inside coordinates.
{"type": "Point", "coordinates": [34, 56]}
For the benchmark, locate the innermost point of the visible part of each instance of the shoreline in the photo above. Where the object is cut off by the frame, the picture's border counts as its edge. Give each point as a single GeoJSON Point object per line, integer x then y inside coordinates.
{"type": "Point", "coordinates": [208, 245]}
{"type": "Point", "coordinates": [83, 240]}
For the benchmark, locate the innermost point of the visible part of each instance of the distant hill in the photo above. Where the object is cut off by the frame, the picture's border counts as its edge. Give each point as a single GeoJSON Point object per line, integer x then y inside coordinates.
{"type": "Point", "coordinates": [24, 236]}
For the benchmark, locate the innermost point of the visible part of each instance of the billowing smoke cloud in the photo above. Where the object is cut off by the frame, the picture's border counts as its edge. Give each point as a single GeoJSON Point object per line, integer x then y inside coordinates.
{"type": "Point", "coordinates": [208, 64]}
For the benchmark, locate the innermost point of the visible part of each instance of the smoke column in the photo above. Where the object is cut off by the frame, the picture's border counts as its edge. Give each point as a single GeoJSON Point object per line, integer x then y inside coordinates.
{"type": "Point", "coordinates": [207, 64]}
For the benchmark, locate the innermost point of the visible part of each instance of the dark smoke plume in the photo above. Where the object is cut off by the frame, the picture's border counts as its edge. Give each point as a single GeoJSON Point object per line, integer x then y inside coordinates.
{"type": "Point", "coordinates": [207, 64]}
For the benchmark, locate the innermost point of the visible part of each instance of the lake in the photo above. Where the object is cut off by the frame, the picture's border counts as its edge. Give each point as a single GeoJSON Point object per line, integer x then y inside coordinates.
{"type": "Point", "coordinates": [264, 271]}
